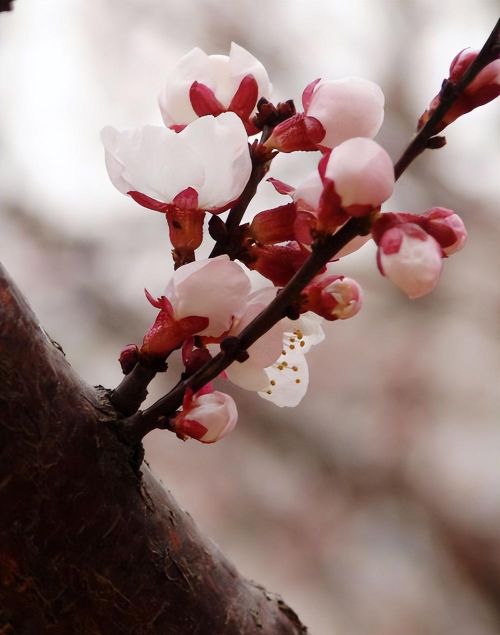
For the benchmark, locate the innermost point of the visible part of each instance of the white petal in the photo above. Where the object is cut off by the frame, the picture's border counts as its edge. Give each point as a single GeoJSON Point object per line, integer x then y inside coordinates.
{"type": "Point", "coordinates": [152, 160]}
{"type": "Point", "coordinates": [247, 375]}
{"type": "Point", "coordinates": [216, 288]}
{"type": "Point", "coordinates": [221, 144]}
{"type": "Point", "coordinates": [242, 63]}
{"type": "Point", "coordinates": [308, 192]}
{"type": "Point", "coordinates": [175, 105]}
{"type": "Point", "coordinates": [303, 333]}
{"type": "Point", "coordinates": [288, 380]}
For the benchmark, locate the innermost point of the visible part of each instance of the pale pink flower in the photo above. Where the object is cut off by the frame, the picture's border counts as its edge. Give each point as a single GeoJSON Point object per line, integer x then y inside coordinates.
{"type": "Point", "coordinates": [349, 107]}
{"type": "Point", "coordinates": [334, 111]}
{"type": "Point", "coordinates": [201, 298]}
{"type": "Point", "coordinates": [201, 84]}
{"type": "Point", "coordinates": [362, 173]}
{"type": "Point", "coordinates": [206, 417]}
{"type": "Point", "coordinates": [216, 288]}
{"type": "Point", "coordinates": [206, 166]}
{"type": "Point", "coordinates": [410, 258]}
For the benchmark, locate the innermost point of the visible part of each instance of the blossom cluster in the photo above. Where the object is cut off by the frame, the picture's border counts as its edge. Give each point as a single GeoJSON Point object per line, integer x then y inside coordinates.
{"type": "Point", "coordinates": [206, 159]}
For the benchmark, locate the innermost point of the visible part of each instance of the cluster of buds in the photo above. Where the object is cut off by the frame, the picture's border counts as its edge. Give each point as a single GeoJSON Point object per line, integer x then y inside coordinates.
{"type": "Point", "coordinates": [202, 161]}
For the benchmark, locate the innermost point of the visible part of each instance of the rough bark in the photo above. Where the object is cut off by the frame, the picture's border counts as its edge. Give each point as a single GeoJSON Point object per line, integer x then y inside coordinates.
{"type": "Point", "coordinates": [90, 541]}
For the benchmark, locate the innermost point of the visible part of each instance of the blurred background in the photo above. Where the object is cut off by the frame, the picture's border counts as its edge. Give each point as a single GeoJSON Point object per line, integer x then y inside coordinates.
{"type": "Point", "coordinates": [374, 506]}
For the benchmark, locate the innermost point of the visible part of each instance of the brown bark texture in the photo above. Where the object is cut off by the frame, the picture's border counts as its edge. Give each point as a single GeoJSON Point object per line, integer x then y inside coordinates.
{"type": "Point", "coordinates": [90, 541]}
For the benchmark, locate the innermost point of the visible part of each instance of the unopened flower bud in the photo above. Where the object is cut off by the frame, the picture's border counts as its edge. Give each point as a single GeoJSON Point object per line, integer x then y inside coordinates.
{"type": "Point", "coordinates": [333, 297]}
{"type": "Point", "coordinates": [207, 418]}
{"type": "Point", "coordinates": [346, 108]}
{"type": "Point", "coordinates": [299, 133]}
{"type": "Point", "coordinates": [362, 173]}
{"type": "Point", "coordinates": [129, 358]}
{"type": "Point", "coordinates": [410, 258]}
{"type": "Point", "coordinates": [446, 227]}
{"type": "Point", "coordinates": [482, 89]}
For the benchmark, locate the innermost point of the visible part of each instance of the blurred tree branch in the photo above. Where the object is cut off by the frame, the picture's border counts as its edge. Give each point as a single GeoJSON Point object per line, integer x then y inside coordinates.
{"type": "Point", "coordinates": [91, 543]}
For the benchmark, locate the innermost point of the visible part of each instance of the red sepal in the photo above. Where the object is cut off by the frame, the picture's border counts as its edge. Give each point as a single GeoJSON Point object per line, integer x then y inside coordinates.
{"type": "Point", "coordinates": [148, 202]}
{"type": "Point", "coordinates": [308, 93]}
{"type": "Point", "coordinates": [280, 186]}
{"type": "Point", "coordinates": [203, 100]}
{"type": "Point", "coordinates": [187, 199]}
{"type": "Point", "coordinates": [245, 98]}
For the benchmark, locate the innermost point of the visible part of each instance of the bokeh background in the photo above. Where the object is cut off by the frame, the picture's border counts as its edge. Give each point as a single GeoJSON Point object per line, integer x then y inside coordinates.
{"type": "Point", "coordinates": [374, 506]}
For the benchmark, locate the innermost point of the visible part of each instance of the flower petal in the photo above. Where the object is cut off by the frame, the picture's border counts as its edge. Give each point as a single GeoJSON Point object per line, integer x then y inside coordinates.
{"type": "Point", "coordinates": [288, 380]}
{"type": "Point", "coordinates": [175, 105]}
{"type": "Point", "coordinates": [152, 160]}
{"type": "Point", "coordinates": [221, 145]}
{"type": "Point", "coordinates": [216, 288]}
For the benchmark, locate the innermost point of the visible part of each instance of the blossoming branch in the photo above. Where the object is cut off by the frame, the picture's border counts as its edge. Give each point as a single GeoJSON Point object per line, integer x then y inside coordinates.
{"type": "Point", "coordinates": [252, 310]}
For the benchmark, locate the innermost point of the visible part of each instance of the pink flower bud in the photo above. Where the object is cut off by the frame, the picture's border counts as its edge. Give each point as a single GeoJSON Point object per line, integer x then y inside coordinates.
{"type": "Point", "coordinates": [207, 417]}
{"type": "Point", "coordinates": [362, 173]}
{"type": "Point", "coordinates": [332, 297]}
{"type": "Point", "coordinates": [334, 111]}
{"type": "Point", "coordinates": [410, 258]}
{"type": "Point", "coordinates": [349, 107]}
{"type": "Point", "coordinates": [446, 227]}
{"type": "Point", "coordinates": [484, 88]}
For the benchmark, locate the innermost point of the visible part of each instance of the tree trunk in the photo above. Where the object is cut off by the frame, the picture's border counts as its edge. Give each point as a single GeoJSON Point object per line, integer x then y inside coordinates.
{"type": "Point", "coordinates": [90, 541]}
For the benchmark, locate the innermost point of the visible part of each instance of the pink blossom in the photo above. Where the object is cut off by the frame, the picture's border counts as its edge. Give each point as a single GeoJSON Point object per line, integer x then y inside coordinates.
{"type": "Point", "coordinates": [333, 297]}
{"type": "Point", "coordinates": [216, 288]}
{"type": "Point", "coordinates": [410, 258]}
{"type": "Point", "coordinates": [206, 166]}
{"type": "Point", "coordinates": [202, 84]}
{"type": "Point", "coordinates": [206, 417]}
{"type": "Point", "coordinates": [334, 111]}
{"type": "Point", "coordinates": [349, 107]}
{"type": "Point", "coordinates": [362, 173]}
{"type": "Point", "coordinates": [203, 298]}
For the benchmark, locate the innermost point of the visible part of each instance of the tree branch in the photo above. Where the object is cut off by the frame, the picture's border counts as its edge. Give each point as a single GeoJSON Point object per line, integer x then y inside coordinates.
{"type": "Point", "coordinates": [91, 543]}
